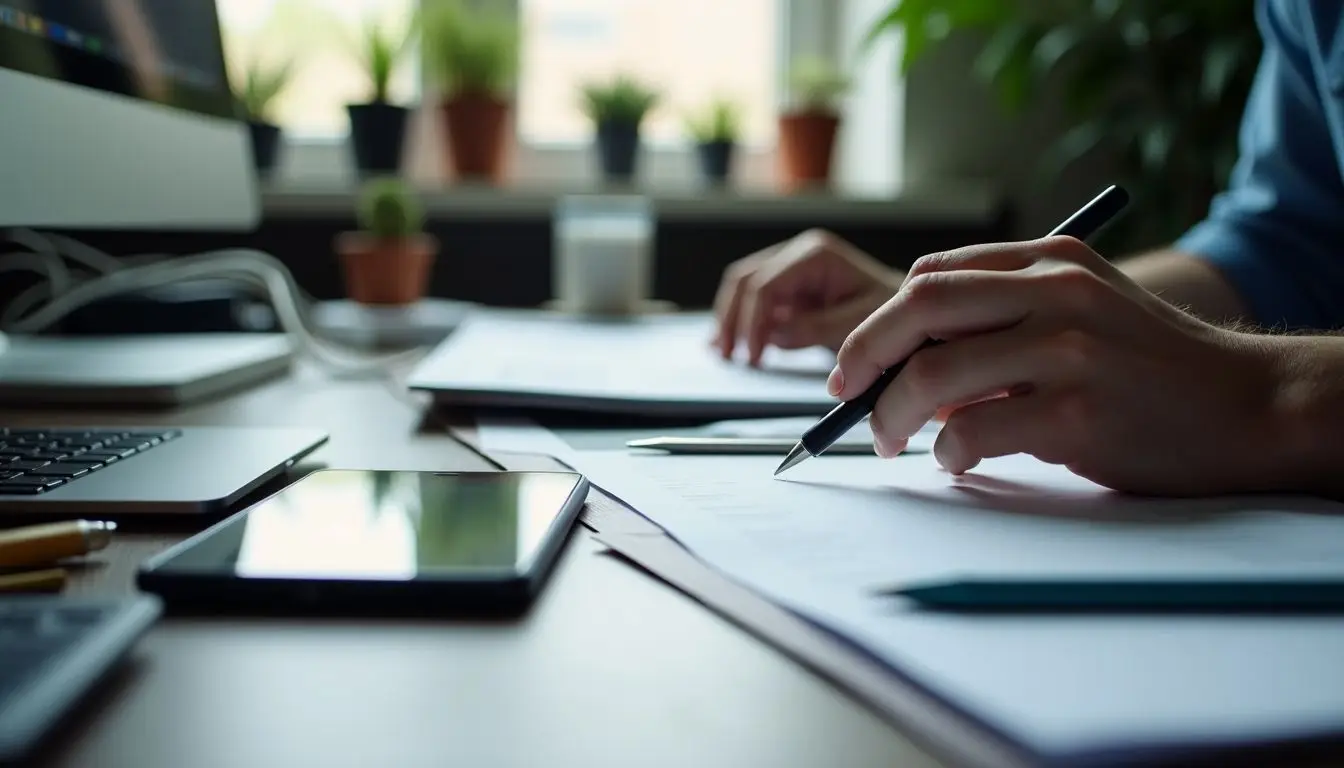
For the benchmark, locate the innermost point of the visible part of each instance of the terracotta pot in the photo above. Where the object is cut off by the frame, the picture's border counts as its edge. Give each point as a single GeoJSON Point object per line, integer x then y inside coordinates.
{"type": "Point", "coordinates": [478, 131]}
{"type": "Point", "coordinates": [386, 271]}
{"type": "Point", "coordinates": [806, 146]}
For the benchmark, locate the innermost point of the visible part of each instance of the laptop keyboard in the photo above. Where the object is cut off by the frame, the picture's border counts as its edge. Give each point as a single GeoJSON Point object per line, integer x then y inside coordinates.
{"type": "Point", "coordinates": [34, 461]}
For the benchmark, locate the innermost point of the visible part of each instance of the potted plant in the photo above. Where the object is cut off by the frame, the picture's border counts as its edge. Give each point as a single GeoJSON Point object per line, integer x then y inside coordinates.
{"type": "Point", "coordinates": [472, 54]}
{"type": "Point", "coordinates": [617, 109]}
{"type": "Point", "coordinates": [716, 135]}
{"type": "Point", "coordinates": [1155, 90]}
{"type": "Point", "coordinates": [260, 87]}
{"type": "Point", "coordinates": [808, 128]}
{"type": "Point", "coordinates": [388, 261]}
{"type": "Point", "coordinates": [378, 127]}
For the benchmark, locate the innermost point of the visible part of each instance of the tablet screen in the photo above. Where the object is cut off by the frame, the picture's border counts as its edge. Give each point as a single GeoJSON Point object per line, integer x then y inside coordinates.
{"type": "Point", "coordinates": [343, 524]}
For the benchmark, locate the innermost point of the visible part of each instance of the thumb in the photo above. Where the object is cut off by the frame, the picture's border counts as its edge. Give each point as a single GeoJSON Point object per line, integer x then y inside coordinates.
{"type": "Point", "coordinates": [823, 327]}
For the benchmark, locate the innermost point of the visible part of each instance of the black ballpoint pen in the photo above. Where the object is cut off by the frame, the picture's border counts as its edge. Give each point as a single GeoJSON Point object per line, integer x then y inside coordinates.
{"type": "Point", "coordinates": [1084, 224]}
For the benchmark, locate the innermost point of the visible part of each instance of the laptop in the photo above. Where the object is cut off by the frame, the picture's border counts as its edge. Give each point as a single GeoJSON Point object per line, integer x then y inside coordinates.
{"type": "Point", "coordinates": [122, 472]}
{"type": "Point", "coordinates": [95, 139]}
{"type": "Point", "coordinates": [142, 370]}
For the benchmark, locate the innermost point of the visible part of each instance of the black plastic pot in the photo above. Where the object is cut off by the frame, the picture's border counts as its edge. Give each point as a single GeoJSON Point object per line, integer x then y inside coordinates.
{"type": "Point", "coordinates": [377, 135]}
{"type": "Point", "coordinates": [618, 150]}
{"type": "Point", "coordinates": [265, 146]}
{"type": "Point", "coordinates": [716, 161]}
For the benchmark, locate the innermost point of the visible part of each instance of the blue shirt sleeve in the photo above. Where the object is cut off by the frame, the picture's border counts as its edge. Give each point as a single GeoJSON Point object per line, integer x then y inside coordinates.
{"type": "Point", "coordinates": [1277, 232]}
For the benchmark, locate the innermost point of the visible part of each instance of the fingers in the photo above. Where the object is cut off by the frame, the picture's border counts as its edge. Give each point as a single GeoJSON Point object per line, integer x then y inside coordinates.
{"type": "Point", "coordinates": [933, 306]}
{"type": "Point", "coordinates": [1007, 256]}
{"type": "Point", "coordinates": [1033, 424]}
{"type": "Point", "coordinates": [963, 372]}
{"type": "Point", "coordinates": [771, 282]}
{"type": "Point", "coordinates": [728, 299]}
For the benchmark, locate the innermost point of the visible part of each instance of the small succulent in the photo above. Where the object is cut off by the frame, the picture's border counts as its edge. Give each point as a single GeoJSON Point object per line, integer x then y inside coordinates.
{"type": "Point", "coordinates": [388, 209]}
{"type": "Point", "coordinates": [721, 122]}
{"type": "Point", "coordinates": [470, 50]}
{"type": "Point", "coordinates": [380, 51]}
{"type": "Point", "coordinates": [816, 85]}
{"type": "Point", "coordinates": [261, 86]}
{"type": "Point", "coordinates": [622, 100]}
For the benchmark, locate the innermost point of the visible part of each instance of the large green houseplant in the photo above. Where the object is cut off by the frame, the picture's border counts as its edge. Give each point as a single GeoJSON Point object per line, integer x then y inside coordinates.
{"type": "Point", "coordinates": [1158, 86]}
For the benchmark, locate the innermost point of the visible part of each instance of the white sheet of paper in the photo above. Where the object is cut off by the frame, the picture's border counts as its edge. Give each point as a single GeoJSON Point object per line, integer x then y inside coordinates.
{"type": "Point", "coordinates": [661, 363]}
{"type": "Point", "coordinates": [820, 541]}
{"type": "Point", "coordinates": [517, 434]}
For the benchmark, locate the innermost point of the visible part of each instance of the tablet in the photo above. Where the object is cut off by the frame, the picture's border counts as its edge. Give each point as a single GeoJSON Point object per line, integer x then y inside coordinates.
{"type": "Point", "coordinates": [362, 541]}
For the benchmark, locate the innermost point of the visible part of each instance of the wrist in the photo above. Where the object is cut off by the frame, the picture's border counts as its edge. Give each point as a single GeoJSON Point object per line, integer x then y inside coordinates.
{"type": "Point", "coordinates": [1302, 438]}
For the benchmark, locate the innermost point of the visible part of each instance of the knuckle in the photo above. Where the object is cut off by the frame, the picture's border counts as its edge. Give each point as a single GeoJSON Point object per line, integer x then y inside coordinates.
{"type": "Point", "coordinates": [1079, 286]}
{"type": "Point", "coordinates": [926, 290]}
{"type": "Point", "coordinates": [739, 270]}
{"type": "Point", "coordinates": [934, 262]}
{"type": "Point", "coordinates": [1064, 248]}
{"type": "Point", "coordinates": [759, 284]}
{"type": "Point", "coordinates": [816, 237]}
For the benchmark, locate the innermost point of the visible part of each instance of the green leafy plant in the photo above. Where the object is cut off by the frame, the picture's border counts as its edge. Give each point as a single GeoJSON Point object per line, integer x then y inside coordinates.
{"type": "Point", "coordinates": [623, 99]}
{"type": "Point", "coordinates": [380, 51]}
{"type": "Point", "coordinates": [816, 85]}
{"type": "Point", "coordinates": [720, 122]}
{"type": "Point", "coordinates": [470, 49]}
{"type": "Point", "coordinates": [261, 86]}
{"type": "Point", "coordinates": [1158, 86]}
{"type": "Point", "coordinates": [389, 209]}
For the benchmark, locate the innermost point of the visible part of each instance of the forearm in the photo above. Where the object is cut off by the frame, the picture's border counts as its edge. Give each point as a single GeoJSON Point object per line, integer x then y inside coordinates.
{"type": "Point", "coordinates": [1306, 438]}
{"type": "Point", "coordinates": [1188, 282]}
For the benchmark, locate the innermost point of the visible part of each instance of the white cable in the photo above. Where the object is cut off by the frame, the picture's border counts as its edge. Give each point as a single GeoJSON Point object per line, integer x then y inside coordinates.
{"type": "Point", "coordinates": [253, 268]}
{"type": "Point", "coordinates": [85, 254]}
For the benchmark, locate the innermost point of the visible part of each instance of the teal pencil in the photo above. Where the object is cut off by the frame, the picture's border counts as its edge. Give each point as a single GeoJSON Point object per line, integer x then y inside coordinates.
{"type": "Point", "coordinates": [1165, 595]}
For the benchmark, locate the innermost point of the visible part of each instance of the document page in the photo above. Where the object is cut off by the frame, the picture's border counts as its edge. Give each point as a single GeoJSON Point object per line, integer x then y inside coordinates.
{"type": "Point", "coordinates": [661, 364]}
{"type": "Point", "coordinates": [825, 538]}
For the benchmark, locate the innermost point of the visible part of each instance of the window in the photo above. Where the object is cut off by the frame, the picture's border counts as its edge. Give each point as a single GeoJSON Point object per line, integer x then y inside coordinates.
{"type": "Point", "coordinates": [691, 51]}
{"type": "Point", "coordinates": [320, 38]}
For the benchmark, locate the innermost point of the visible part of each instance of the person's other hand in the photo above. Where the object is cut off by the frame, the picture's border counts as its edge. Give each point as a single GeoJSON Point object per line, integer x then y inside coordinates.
{"type": "Point", "coordinates": [1052, 351]}
{"type": "Point", "coordinates": [810, 290]}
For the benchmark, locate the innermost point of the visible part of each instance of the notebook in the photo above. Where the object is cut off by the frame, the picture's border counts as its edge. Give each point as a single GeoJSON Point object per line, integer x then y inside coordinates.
{"type": "Point", "coordinates": [653, 365]}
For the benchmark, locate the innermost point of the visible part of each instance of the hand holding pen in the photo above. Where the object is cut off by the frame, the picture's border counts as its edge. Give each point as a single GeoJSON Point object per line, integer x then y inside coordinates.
{"type": "Point", "coordinates": [1054, 352]}
{"type": "Point", "coordinates": [868, 387]}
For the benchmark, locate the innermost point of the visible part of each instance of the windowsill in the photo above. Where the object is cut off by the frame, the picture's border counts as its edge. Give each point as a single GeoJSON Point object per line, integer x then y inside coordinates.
{"type": "Point", "coordinates": [960, 203]}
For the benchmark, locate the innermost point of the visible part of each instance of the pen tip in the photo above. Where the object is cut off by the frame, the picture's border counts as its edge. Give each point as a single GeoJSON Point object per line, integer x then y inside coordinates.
{"type": "Point", "coordinates": [795, 457]}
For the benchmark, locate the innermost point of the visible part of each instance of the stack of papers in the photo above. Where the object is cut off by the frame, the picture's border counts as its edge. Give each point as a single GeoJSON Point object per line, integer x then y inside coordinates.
{"type": "Point", "coordinates": [828, 537]}
{"type": "Point", "coordinates": [656, 365]}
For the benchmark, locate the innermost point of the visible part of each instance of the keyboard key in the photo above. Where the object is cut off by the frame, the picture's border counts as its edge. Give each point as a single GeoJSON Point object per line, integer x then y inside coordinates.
{"type": "Point", "coordinates": [26, 485]}
{"type": "Point", "coordinates": [105, 455]}
{"type": "Point", "coordinates": [25, 465]}
{"type": "Point", "coordinates": [48, 456]}
{"type": "Point", "coordinates": [67, 470]}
